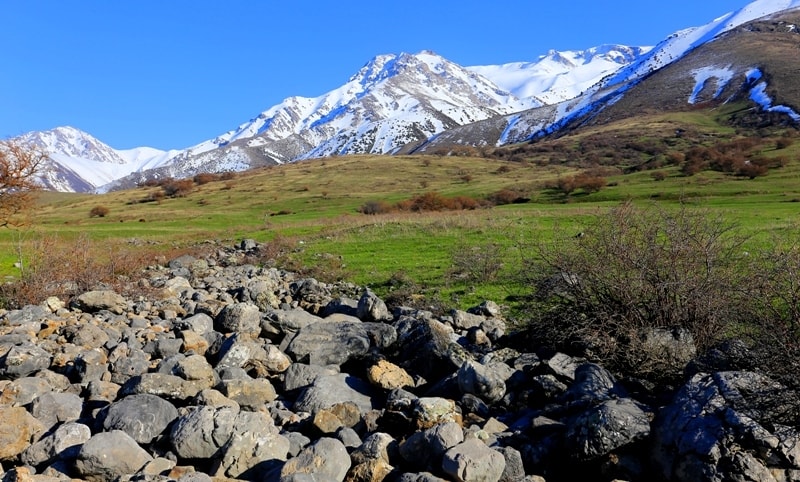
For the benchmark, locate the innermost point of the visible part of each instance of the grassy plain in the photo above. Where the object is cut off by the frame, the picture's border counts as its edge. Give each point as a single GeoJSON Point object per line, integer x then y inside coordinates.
{"type": "Point", "coordinates": [312, 209]}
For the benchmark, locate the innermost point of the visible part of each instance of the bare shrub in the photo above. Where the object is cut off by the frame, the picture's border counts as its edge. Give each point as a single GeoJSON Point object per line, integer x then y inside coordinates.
{"type": "Point", "coordinates": [658, 175]}
{"type": "Point", "coordinates": [205, 178]}
{"type": "Point", "coordinates": [61, 267]}
{"type": "Point", "coordinates": [475, 263]}
{"type": "Point", "coordinates": [375, 207]}
{"type": "Point", "coordinates": [178, 188]}
{"type": "Point", "coordinates": [634, 270]}
{"type": "Point", "coordinates": [19, 167]}
{"type": "Point", "coordinates": [99, 212]}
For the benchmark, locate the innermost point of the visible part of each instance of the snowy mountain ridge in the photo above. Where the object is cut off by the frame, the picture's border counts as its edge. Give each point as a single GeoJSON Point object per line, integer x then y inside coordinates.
{"type": "Point", "coordinates": [403, 103]}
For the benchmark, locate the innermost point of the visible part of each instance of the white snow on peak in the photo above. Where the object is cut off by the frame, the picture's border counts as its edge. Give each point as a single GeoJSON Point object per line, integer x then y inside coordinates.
{"type": "Point", "coordinates": [680, 43]}
{"type": "Point", "coordinates": [89, 162]}
{"type": "Point", "coordinates": [559, 76]}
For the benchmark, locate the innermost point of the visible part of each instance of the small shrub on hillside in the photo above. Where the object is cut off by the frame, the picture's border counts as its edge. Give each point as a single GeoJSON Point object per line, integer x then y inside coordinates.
{"type": "Point", "coordinates": [376, 207]}
{"type": "Point", "coordinates": [64, 268]}
{"type": "Point", "coordinates": [205, 178]}
{"type": "Point", "coordinates": [632, 271]}
{"type": "Point", "coordinates": [178, 188]}
{"type": "Point", "coordinates": [99, 212]}
{"type": "Point", "coordinates": [507, 196]}
{"type": "Point", "coordinates": [475, 263]}
{"type": "Point", "coordinates": [658, 175]}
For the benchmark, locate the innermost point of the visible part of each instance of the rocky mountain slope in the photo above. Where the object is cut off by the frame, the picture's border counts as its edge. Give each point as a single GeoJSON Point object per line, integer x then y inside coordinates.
{"type": "Point", "coordinates": [746, 55]}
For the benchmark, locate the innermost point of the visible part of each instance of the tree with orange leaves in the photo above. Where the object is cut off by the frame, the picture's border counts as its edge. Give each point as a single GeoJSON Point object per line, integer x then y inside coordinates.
{"type": "Point", "coordinates": [20, 166]}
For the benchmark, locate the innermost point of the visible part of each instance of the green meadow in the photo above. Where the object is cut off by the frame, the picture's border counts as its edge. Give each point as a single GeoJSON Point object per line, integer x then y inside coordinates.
{"type": "Point", "coordinates": [309, 211]}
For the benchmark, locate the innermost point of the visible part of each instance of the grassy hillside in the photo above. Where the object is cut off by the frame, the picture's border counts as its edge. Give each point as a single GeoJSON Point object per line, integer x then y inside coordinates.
{"type": "Point", "coordinates": [309, 211]}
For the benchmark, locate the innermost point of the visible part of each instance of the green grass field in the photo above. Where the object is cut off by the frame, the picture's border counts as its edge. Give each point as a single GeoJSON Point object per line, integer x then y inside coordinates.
{"type": "Point", "coordinates": [313, 207]}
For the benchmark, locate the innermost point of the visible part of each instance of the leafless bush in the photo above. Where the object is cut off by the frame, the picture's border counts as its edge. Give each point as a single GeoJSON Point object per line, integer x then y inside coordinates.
{"type": "Point", "coordinates": [475, 263]}
{"type": "Point", "coordinates": [56, 266]}
{"type": "Point", "coordinates": [99, 212]}
{"type": "Point", "coordinates": [634, 270]}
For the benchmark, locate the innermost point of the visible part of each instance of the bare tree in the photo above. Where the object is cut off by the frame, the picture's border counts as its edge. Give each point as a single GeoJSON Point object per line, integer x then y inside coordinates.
{"type": "Point", "coordinates": [20, 166]}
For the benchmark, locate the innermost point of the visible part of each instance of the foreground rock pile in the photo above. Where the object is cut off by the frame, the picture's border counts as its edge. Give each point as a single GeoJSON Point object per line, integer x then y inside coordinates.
{"type": "Point", "coordinates": [230, 371]}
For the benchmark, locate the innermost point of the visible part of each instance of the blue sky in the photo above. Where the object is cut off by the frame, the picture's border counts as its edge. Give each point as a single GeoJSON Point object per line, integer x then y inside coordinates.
{"type": "Point", "coordinates": [172, 73]}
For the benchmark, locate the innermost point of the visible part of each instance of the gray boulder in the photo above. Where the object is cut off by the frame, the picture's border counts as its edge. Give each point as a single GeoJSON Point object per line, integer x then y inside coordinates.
{"type": "Point", "coordinates": [472, 460]}
{"type": "Point", "coordinates": [64, 443]}
{"type": "Point", "coordinates": [605, 428]}
{"type": "Point", "coordinates": [52, 408]}
{"type": "Point", "coordinates": [727, 426]}
{"type": "Point", "coordinates": [336, 343]}
{"type": "Point", "coordinates": [290, 321]}
{"type": "Point", "coordinates": [22, 361]}
{"type": "Point", "coordinates": [482, 381]}
{"type": "Point", "coordinates": [372, 308]}
{"type": "Point", "coordinates": [243, 318]}
{"type": "Point", "coordinates": [94, 301]}
{"type": "Point", "coordinates": [201, 432]}
{"type": "Point", "coordinates": [301, 375]}
{"type": "Point", "coordinates": [144, 417]}
{"type": "Point", "coordinates": [328, 390]}
{"type": "Point", "coordinates": [424, 450]}
{"type": "Point", "coordinates": [110, 455]}
{"type": "Point", "coordinates": [326, 459]}
{"type": "Point", "coordinates": [254, 449]}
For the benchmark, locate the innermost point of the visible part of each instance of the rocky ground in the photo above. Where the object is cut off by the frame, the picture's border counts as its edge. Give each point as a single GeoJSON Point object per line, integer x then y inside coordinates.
{"type": "Point", "coordinates": [230, 371]}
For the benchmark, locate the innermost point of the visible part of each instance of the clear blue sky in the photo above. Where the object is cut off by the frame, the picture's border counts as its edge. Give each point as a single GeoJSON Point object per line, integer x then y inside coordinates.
{"type": "Point", "coordinates": [172, 73]}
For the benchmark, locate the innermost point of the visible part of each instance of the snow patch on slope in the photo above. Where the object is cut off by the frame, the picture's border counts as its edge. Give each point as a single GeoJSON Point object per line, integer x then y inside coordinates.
{"type": "Point", "coordinates": [722, 75]}
{"type": "Point", "coordinates": [758, 94]}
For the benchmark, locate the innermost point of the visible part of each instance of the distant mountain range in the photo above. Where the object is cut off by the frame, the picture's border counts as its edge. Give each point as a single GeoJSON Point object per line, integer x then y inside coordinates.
{"type": "Point", "coordinates": [418, 103]}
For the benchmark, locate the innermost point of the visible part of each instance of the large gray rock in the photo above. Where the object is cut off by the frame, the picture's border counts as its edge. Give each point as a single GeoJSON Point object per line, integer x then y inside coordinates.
{"type": "Point", "coordinates": [23, 360]}
{"type": "Point", "coordinates": [143, 417]}
{"type": "Point", "coordinates": [336, 343]}
{"type": "Point", "coordinates": [94, 301]}
{"type": "Point", "coordinates": [726, 426]}
{"type": "Point", "coordinates": [64, 443]}
{"type": "Point", "coordinates": [301, 375]}
{"type": "Point", "coordinates": [52, 408]}
{"type": "Point", "coordinates": [109, 455]}
{"type": "Point", "coordinates": [250, 394]}
{"type": "Point", "coordinates": [326, 459]}
{"type": "Point", "coordinates": [244, 318]}
{"type": "Point", "coordinates": [23, 391]}
{"type": "Point", "coordinates": [328, 390]}
{"type": "Point", "coordinates": [482, 381]}
{"type": "Point", "coordinates": [254, 449]}
{"type": "Point", "coordinates": [424, 450]}
{"type": "Point", "coordinates": [201, 432]}
{"type": "Point", "coordinates": [290, 321]}
{"type": "Point", "coordinates": [605, 428]}
{"type": "Point", "coordinates": [593, 383]}
{"type": "Point", "coordinates": [372, 308]}
{"type": "Point", "coordinates": [425, 347]}
{"type": "Point", "coordinates": [163, 385]}
{"type": "Point", "coordinates": [473, 461]}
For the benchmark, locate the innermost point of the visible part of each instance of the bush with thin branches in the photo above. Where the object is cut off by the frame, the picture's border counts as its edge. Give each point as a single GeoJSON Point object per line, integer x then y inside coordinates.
{"type": "Point", "coordinates": [635, 270]}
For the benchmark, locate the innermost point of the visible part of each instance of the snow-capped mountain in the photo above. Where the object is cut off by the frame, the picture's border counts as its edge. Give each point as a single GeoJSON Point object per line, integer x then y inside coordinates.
{"type": "Point", "coordinates": [559, 76]}
{"type": "Point", "coordinates": [395, 100]}
{"type": "Point", "coordinates": [738, 73]}
{"type": "Point", "coordinates": [81, 163]}
{"type": "Point", "coordinates": [416, 103]}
